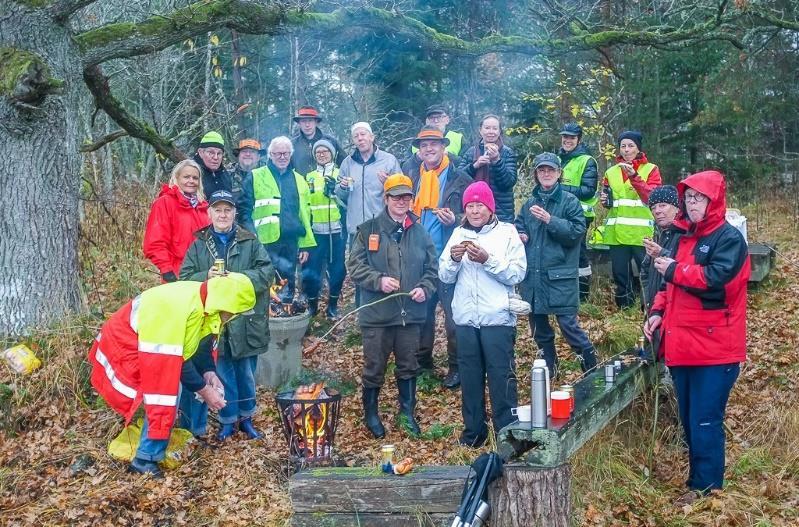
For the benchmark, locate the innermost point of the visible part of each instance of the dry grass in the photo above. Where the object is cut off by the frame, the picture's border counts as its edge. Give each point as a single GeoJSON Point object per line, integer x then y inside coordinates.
{"type": "Point", "coordinates": [51, 421]}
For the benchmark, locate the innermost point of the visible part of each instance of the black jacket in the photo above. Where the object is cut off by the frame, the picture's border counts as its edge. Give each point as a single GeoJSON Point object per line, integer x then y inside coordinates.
{"type": "Point", "coordinates": [502, 179]}
{"type": "Point", "coordinates": [652, 280]}
{"type": "Point", "coordinates": [303, 158]}
{"type": "Point", "coordinates": [553, 252]}
{"type": "Point", "coordinates": [213, 180]}
{"type": "Point", "coordinates": [588, 183]}
{"type": "Point", "coordinates": [412, 261]}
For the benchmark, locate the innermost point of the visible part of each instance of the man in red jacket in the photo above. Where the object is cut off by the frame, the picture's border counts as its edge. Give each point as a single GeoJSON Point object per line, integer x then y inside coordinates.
{"type": "Point", "coordinates": [701, 310]}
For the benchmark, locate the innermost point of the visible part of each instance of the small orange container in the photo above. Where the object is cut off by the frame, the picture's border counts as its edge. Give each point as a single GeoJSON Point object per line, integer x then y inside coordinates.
{"type": "Point", "coordinates": [561, 405]}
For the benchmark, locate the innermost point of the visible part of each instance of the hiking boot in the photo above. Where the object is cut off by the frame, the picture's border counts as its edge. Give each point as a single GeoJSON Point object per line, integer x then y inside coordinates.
{"type": "Point", "coordinates": [313, 306]}
{"type": "Point", "coordinates": [143, 466]}
{"type": "Point", "coordinates": [452, 380]}
{"type": "Point", "coordinates": [332, 308]}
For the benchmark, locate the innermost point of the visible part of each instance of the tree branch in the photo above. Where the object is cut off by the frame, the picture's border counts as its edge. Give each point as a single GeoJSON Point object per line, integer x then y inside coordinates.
{"type": "Point", "coordinates": [122, 40]}
{"type": "Point", "coordinates": [63, 9]}
{"type": "Point", "coordinates": [97, 145]}
{"type": "Point", "coordinates": [103, 98]}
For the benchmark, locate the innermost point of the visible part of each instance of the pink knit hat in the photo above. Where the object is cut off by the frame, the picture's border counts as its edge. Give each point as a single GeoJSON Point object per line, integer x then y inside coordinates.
{"type": "Point", "coordinates": [480, 192]}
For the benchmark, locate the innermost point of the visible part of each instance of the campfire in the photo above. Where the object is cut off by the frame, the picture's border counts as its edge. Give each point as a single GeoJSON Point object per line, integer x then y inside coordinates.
{"type": "Point", "coordinates": [280, 307]}
{"type": "Point", "coordinates": [310, 415]}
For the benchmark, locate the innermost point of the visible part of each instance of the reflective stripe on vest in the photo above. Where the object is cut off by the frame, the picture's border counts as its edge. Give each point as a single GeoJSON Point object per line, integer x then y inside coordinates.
{"type": "Point", "coordinates": [629, 220]}
{"type": "Point", "coordinates": [323, 209]}
{"type": "Point", "coordinates": [573, 175]}
{"type": "Point", "coordinates": [266, 209]}
{"type": "Point", "coordinates": [455, 143]}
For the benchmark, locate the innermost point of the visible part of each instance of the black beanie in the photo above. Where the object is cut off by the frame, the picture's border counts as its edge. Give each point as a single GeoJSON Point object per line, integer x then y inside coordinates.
{"type": "Point", "coordinates": [634, 135]}
{"type": "Point", "coordinates": [664, 194]}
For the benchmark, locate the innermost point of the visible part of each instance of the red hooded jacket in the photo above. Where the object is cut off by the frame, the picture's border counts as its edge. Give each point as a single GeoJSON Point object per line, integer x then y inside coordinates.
{"type": "Point", "coordinates": [170, 229]}
{"type": "Point", "coordinates": [703, 302]}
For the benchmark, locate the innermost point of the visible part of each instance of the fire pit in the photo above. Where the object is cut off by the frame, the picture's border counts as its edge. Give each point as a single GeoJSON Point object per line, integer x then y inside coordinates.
{"type": "Point", "coordinates": [310, 416]}
{"type": "Point", "coordinates": [288, 322]}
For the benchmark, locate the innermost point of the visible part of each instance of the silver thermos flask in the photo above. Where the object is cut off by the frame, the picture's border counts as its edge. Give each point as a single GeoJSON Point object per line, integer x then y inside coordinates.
{"type": "Point", "coordinates": [539, 398]}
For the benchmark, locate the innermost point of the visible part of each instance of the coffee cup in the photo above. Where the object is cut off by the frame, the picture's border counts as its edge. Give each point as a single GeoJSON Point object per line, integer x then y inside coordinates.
{"type": "Point", "coordinates": [522, 413]}
{"type": "Point", "coordinates": [561, 404]}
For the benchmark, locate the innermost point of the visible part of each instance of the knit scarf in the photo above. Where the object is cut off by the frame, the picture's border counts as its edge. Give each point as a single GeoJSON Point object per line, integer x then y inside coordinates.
{"type": "Point", "coordinates": [427, 196]}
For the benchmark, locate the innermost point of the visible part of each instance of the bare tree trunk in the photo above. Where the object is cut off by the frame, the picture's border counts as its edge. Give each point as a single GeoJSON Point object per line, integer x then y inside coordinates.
{"type": "Point", "coordinates": [207, 89]}
{"type": "Point", "coordinates": [40, 168]}
{"type": "Point", "coordinates": [531, 497]}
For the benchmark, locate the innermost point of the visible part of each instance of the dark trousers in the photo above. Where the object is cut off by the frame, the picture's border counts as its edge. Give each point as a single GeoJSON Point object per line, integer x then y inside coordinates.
{"type": "Point", "coordinates": [702, 393]}
{"type": "Point", "coordinates": [627, 286]}
{"type": "Point", "coordinates": [380, 343]}
{"type": "Point", "coordinates": [544, 337]}
{"type": "Point", "coordinates": [443, 294]}
{"type": "Point", "coordinates": [283, 254]}
{"type": "Point", "coordinates": [486, 352]}
{"type": "Point", "coordinates": [328, 254]}
{"type": "Point", "coordinates": [585, 264]}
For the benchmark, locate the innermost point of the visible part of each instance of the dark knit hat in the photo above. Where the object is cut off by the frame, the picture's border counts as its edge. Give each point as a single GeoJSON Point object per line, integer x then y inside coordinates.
{"type": "Point", "coordinates": [664, 194]}
{"type": "Point", "coordinates": [633, 135]}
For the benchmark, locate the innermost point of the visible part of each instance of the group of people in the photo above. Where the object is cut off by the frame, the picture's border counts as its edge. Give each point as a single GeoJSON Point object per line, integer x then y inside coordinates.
{"type": "Point", "coordinates": [441, 228]}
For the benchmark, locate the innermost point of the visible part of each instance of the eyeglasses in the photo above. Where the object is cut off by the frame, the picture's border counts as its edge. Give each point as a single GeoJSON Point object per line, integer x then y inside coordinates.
{"type": "Point", "coordinates": [281, 154]}
{"type": "Point", "coordinates": [437, 118]}
{"type": "Point", "coordinates": [404, 197]}
{"type": "Point", "coordinates": [213, 153]}
{"type": "Point", "coordinates": [695, 198]}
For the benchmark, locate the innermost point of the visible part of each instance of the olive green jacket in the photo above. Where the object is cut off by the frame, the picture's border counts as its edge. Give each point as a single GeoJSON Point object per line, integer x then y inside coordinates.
{"type": "Point", "coordinates": [245, 335]}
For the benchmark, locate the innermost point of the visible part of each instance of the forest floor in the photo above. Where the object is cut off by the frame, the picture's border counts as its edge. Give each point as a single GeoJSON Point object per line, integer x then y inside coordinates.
{"type": "Point", "coordinates": [54, 431]}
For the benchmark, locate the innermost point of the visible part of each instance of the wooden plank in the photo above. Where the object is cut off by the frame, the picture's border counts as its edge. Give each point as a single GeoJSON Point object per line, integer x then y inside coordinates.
{"type": "Point", "coordinates": [596, 404]}
{"type": "Point", "coordinates": [432, 489]}
{"type": "Point", "coordinates": [371, 520]}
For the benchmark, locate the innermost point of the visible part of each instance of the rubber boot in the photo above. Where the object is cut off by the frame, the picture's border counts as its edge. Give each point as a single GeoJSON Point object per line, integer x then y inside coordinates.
{"type": "Point", "coordinates": [332, 308]}
{"type": "Point", "coordinates": [588, 359]}
{"type": "Point", "coordinates": [407, 403]}
{"type": "Point", "coordinates": [246, 426]}
{"type": "Point", "coordinates": [225, 431]}
{"type": "Point", "coordinates": [313, 306]}
{"type": "Point", "coordinates": [142, 466]}
{"type": "Point", "coordinates": [370, 416]}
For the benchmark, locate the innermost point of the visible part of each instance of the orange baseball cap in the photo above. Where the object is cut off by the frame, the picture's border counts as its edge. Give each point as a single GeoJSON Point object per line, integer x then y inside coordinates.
{"type": "Point", "coordinates": [398, 185]}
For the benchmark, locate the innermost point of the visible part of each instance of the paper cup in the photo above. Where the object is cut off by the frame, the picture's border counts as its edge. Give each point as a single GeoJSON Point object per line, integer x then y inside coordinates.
{"type": "Point", "coordinates": [522, 413]}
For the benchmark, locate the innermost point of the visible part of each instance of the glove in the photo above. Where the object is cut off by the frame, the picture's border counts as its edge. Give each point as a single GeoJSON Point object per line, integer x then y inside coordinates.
{"type": "Point", "coordinates": [330, 187]}
{"type": "Point", "coordinates": [169, 277]}
{"type": "Point", "coordinates": [518, 306]}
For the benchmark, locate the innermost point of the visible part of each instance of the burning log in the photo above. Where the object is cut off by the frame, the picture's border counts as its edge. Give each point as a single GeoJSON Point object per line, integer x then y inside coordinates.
{"type": "Point", "coordinates": [280, 307]}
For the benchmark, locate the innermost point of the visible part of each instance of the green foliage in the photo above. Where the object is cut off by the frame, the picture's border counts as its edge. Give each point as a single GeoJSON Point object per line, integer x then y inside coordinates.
{"type": "Point", "coordinates": [438, 431]}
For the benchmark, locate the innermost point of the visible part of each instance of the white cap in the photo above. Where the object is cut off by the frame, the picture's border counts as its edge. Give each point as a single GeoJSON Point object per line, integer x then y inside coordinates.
{"type": "Point", "coordinates": [361, 124]}
{"type": "Point", "coordinates": [540, 363]}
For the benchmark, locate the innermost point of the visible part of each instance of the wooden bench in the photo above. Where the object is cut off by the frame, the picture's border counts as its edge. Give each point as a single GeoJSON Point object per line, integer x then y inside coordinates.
{"type": "Point", "coordinates": [535, 487]}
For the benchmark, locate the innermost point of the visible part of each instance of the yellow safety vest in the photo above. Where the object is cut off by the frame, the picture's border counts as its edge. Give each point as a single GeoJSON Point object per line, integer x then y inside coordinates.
{"type": "Point", "coordinates": [573, 175]}
{"type": "Point", "coordinates": [266, 210]}
{"type": "Point", "coordinates": [629, 220]}
{"type": "Point", "coordinates": [323, 209]}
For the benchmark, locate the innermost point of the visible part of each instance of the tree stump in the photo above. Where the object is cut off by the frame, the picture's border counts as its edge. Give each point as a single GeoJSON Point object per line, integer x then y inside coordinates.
{"type": "Point", "coordinates": [528, 497]}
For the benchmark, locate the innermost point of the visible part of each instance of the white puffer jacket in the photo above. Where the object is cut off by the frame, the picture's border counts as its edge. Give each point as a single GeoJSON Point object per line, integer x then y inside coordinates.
{"type": "Point", "coordinates": [482, 290]}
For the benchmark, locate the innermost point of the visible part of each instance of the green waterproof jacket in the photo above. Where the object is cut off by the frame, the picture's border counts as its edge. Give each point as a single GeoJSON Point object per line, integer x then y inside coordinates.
{"type": "Point", "coordinates": [553, 252]}
{"type": "Point", "coordinates": [412, 260]}
{"type": "Point", "coordinates": [245, 335]}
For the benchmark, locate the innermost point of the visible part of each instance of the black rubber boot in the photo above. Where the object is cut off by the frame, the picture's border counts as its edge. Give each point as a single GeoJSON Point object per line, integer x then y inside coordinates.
{"type": "Point", "coordinates": [407, 403]}
{"type": "Point", "coordinates": [370, 416]}
{"type": "Point", "coordinates": [313, 306]}
{"type": "Point", "coordinates": [588, 361]}
{"type": "Point", "coordinates": [332, 308]}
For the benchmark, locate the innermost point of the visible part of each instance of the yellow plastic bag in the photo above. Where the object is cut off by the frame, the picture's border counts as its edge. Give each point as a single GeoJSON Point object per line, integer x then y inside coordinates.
{"type": "Point", "coordinates": [21, 359]}
{"type": "Point", "coordinates": [124, 446]}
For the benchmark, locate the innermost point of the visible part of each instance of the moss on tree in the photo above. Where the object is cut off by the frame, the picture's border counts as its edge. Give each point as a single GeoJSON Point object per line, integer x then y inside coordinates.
{"type": "Point", "coordinates": [24, 76]}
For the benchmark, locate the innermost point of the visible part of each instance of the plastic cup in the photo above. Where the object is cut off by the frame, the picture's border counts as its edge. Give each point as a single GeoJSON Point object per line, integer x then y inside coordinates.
{"type": "Point", "coordinates": [522, 413]}
{"type": "Point", "coordinates": [561, 405]}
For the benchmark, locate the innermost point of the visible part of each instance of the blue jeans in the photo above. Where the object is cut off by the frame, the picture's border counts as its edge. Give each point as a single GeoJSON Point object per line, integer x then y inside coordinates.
{"type": "Point", "coordinates": [329, 253]}
{"type": "Point", "coordinates": [151, 449]}
{"type": "Point", "coordinates": [192, 414]}
{"type": "Point", "coordinates": [544, 337]}
{"type": "Point", "coordinates": [702, 393]}
{"type": "Point", "coordinates": [238, 378]}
